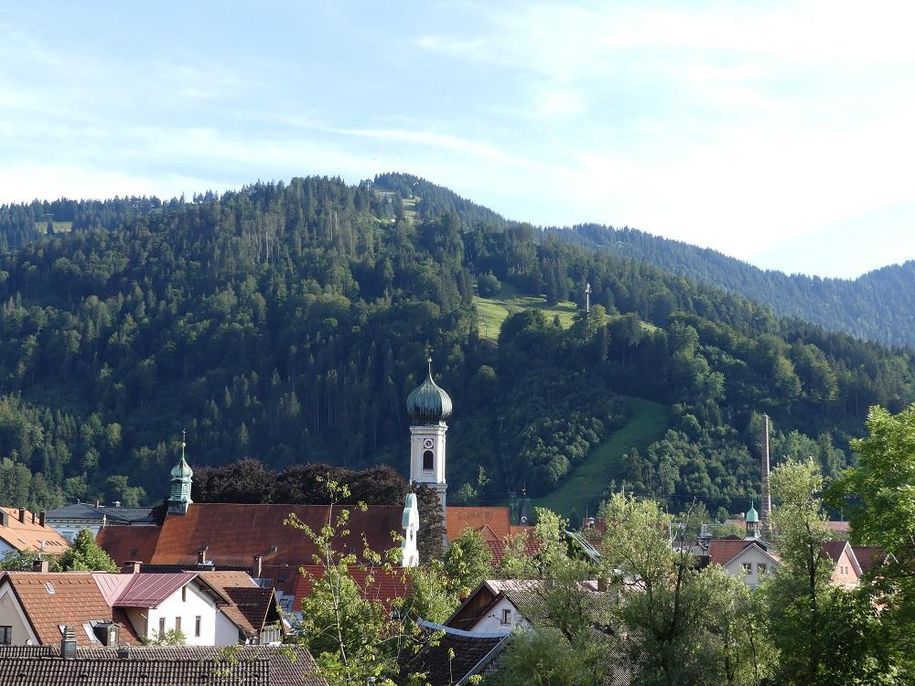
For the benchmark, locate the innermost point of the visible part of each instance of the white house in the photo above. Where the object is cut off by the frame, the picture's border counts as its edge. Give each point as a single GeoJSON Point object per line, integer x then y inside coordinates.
{"type": "Point", "coordinates": [109, 609]}
{"type": "Point", "coordinates": [503, 605]}
{"type": "Point", "coordinates": [749, 560]}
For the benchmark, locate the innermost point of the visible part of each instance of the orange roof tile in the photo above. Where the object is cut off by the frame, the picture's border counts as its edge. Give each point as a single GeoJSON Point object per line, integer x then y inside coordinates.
{"type": "Point", "coordinates": [722, 550]}
{"type": "Point", "coordinates": [129, 543]}
{"type": "Point", "coordinates": [833, 549]}
{"type": "Point", "coordinates": [234, 533]}
{"type": "Point", "coordinates": [385, 587]}
{"type": "Point", "coordinates": [50, 600]}
{"type": "Point", "coordinates": [869, 556]}
{"type": "Point", "coordinates": [23, 532]}
{"type": "Point", "coordinates": [459, 519]}
{"type": "Point", "coordinates": [250, 603]}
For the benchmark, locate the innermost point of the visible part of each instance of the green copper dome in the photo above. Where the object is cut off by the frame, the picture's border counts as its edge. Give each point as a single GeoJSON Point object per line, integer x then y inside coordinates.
{"type": "Point", "coordinates": [752, 515]}
{"type": "Point", "coordinates": [182, 470]}
{"type": "Point", "coordinates": [427, 403]}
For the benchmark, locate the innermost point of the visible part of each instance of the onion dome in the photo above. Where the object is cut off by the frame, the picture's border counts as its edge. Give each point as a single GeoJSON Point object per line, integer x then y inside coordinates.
{"type": "Point", "coordinates": [182, 470]}
{"type": "Point", "coordinates": [752, 516]}
{"type": "Point", "coordinates": [428, 403]}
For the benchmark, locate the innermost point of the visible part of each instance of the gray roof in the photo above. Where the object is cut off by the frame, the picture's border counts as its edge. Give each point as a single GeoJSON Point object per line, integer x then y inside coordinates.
{"type": "Point", "coordinates": [91, 513]}
{"type": "Point", "coordinates": [56, 671]}
{"type": "Point", "coordinates": [273, 665]}
{"type": "Point", "coordinates": [451, 656]}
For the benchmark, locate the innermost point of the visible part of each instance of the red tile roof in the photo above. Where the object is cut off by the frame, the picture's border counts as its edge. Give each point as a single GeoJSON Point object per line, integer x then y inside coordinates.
{"type": "Point", "coordinates": [459, 519]}
{"type": "Point", "coordinates": [723, 550]}
{"type": "Point", "coordinates": [29, 534]}
{"type": "Point", "coordinates": [499, 548]}
{"type": "Point", "coordinates": [234, 533]}
{"type": "Point", "coordinates": [64, 598]}
{"type": "Point", "coordinates": [869, 556]}
{"type": "Point", "coordinates": [250, 608]}
{"type": "Point", "coordinates": [385, 587]}
{"type": "Point", "coordinates": [833, 549]}
{"type": "Point", "coordinates": [129, 543]}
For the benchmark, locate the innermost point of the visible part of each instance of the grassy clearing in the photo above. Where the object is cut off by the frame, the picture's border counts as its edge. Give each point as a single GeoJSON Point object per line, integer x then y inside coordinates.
{"type": "Point", "coordinates": [59, 227]}
{"type": "Point", "coordinates": [582, 490]}
{"type": "Point", "coordinates": [409, 209]}
{"type": "Point", "coordinates": [495, 310]}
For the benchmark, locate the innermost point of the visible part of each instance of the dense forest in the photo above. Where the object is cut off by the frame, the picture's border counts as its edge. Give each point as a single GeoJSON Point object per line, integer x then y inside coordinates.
{"type": "Point", "coordinates": [877, 306]}
{"type": "Point", "coordinates": [288, 322]}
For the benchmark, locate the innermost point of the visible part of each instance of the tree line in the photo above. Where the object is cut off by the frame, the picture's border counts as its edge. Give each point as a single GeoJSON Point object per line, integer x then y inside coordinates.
{"type": "Point", "coordinates": [288, 322]}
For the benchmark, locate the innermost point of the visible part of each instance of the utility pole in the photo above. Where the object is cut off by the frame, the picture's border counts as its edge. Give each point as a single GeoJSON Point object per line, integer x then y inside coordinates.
{"type": "Point", "coordinates": [587, 298]}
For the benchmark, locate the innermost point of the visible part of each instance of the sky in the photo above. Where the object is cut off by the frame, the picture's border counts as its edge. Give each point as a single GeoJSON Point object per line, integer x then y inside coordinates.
{"type": "Point", "coordinates": [779, 133]}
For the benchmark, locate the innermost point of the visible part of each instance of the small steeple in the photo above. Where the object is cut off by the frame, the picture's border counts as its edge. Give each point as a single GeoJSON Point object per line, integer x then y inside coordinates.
{"type": "Point", "coordinates": [410, 524]}
{"type": "Point", "coordinates": [179, 499]}
{"type": "Point", "coordinates": [752, 520]}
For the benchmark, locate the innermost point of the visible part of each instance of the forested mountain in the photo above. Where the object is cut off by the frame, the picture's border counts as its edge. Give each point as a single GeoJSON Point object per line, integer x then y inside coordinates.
{"type": "Point", "coordinates": [288, 322]}
{"type": "Point", "coordinates": [879, 305]}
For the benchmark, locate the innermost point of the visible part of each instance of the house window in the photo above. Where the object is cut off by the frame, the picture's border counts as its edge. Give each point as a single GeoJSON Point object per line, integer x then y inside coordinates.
{"type": "Point", "coordinates": [161, 627]}
{"type": "Point", "coordinates": [428, 460]}
{"type": "Point", "coordinates": [506, 617]}
{"type": "Point", "coordinates": [6, 635]}
{"type": "Point", "coordinates": [197, 626]}
{"type": "Point", "coordinates": [177, 623]}
{"type": "Point", "coordinates": [762, 569]}
{"type": "Point", "coordinates": [184, 594]}
{"type": "Point", "coordinates": [747, 568]}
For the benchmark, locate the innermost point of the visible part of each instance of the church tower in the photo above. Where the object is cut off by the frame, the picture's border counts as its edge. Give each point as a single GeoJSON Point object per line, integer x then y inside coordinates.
{"type": "Point", "coordinates": [428, 408]}
{"type": "Point", "coordinates": [179, 498]}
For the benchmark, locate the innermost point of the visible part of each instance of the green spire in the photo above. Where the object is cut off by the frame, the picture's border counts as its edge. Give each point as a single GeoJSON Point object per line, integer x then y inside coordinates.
{"type": "Point", "coordinates": [179, 498]}
{"type": "Point", "coordinates": [752, 516]}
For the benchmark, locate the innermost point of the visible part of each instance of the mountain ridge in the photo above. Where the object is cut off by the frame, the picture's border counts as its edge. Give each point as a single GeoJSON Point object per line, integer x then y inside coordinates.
{"type": "Point", "coordinates": [288, 322]}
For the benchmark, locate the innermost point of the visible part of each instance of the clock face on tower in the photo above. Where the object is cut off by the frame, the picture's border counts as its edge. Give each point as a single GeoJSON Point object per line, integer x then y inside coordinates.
{"type": "Point", "coordinates": [428, 443]}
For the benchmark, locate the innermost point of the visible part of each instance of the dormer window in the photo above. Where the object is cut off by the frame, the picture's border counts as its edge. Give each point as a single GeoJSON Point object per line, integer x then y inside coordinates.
{"type": "Point", "coordinates": [428, 460]}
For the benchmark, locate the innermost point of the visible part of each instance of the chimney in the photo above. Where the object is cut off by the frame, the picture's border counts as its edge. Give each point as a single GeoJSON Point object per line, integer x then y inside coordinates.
{"type": "Point", "coordinates": [117, 503]}
{"type": "Point", "coordinates": [22, 515]}
{"type": "Point", "coordinates": [202, 556]}
{"type": "Point", "coordinates": [131, 567]}
{"type": "Point", "coordinates": [765, 505]}
{"type": "Point", "coordinates": [258, 567]}
{"type": "Point", "coordinates": [33, 517]}
{"type": "Point", "coordinates": [602, 584]}
{"type": "Point", "coordinates": [68, 643]}
{"type": "Point", "coordinates": [4, 518]}
{"type": "Point", "coordinates": [40, 565]}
